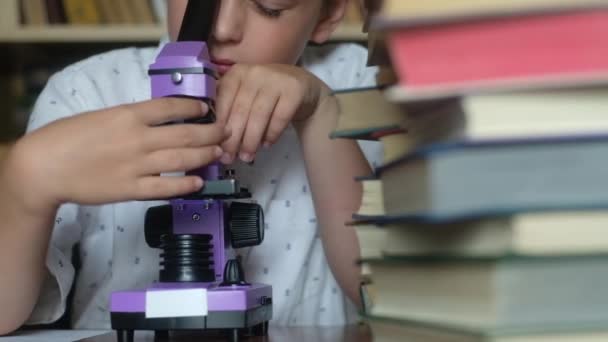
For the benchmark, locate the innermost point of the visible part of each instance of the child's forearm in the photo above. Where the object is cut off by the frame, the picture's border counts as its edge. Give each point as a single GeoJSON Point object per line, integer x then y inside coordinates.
{"type": "Point", "coordinates": [331, 168]}
{"type": "Point", "coordinates": [24, 237]}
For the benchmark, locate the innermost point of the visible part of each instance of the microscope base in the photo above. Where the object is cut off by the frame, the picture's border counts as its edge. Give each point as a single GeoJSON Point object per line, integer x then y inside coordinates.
{"type": "Point", "coordinates": [249, 312]}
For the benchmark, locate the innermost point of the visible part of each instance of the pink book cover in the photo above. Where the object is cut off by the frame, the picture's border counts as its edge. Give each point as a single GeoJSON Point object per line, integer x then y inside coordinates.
{"type": "Point", "coordinates": [508, 50]}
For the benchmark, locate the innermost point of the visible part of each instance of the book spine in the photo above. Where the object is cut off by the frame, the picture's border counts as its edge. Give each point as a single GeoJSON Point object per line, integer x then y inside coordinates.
{"type": "Point", "coordinates": [9, 18]}
{"type": "Point", "coordinates": [509, 49]}
{"type": "Point", "coordinates": [55, 12]}
{"type": "Point", "coordinates": [34, 12]}
{"type": "Point", "coordinates": [81, 12]}
{"type": "Point", "coordinates": [141, 11]}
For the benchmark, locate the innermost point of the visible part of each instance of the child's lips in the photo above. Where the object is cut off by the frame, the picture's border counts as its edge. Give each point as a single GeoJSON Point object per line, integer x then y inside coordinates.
{"type": "Point", "coordinates": [223, 65]}
{"type": "Point", "coordinates": [223, 68]}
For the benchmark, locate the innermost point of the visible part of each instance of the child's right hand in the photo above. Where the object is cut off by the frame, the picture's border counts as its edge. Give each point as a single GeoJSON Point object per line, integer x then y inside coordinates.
{"type": "Point", "coordinates": [113, 155]}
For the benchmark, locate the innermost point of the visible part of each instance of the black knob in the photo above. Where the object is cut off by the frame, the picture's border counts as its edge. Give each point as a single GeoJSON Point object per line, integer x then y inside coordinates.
{"type": "Point", "coordinates": [209, 118]}
{"type": "Point", "coordinates": [246, 222]}
{"type": "Point", "coordinates": [158, 222]}
{"type": "Point", "coordinates": [233, 273]}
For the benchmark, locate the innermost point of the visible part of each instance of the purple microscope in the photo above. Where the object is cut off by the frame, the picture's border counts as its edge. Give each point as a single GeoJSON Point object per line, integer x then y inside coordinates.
{"type": "Point", "coordinates": [200, 287]}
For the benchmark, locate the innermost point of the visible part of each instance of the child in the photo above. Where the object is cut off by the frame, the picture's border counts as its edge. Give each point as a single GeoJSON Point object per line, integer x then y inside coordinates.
{"type": "Point", "coordinates": [78, 178]}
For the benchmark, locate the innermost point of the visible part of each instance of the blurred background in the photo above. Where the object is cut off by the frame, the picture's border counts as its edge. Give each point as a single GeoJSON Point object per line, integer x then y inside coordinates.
{"type": "Point", "coordinates": [40, 37]}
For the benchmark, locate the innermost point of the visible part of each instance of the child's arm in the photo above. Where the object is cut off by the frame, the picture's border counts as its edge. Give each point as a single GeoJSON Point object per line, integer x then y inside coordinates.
{"type": "Point", "coordinates": [331, 166]}
{"type": "Point", "coordinates": [258, 102]}
{"type": "Point", "coordinates": [24, 236]}
{"type": "Point", "coordinates": [99, 157]}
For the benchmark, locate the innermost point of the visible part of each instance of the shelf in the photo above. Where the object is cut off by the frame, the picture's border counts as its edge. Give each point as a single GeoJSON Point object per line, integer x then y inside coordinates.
{"type": "Point", "coordinates": [120, 33]}
{"type": "Point", "coordinates": [79, 34]}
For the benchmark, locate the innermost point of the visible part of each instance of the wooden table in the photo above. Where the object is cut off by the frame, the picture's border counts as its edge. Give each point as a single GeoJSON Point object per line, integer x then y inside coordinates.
{"type": "Point", "coordinates": [357, 333]}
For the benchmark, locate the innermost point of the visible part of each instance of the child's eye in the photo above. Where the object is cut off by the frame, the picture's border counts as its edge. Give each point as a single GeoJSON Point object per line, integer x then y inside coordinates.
{"type": "Point", "coordinates": [269, 12]}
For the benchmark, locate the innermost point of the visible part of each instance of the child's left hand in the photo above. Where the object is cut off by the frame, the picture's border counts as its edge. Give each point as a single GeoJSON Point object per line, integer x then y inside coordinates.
{"type": "Point", "coordinates": [259, 101]}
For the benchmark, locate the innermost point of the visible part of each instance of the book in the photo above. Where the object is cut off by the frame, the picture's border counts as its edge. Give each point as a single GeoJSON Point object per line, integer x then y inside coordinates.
{"type": "Point", "coordinates": [365, 111]}
{"type": "Point", "coordinates": [372, 202]}
{"type": "Point", "coordinates": [395, 144]}
{"type": "Point", "coordinates": [386, 76]}
{"type": "Point", "coordinates": [399, 13]}
{"type": "Point", "coordinates": [540, 113]}
{"type": "Point", "coordinates": [124, 12]}
{"type": "Point", "coordinates": [478, 179]}
{"type": "Point", "coordinates": [142, 11]}
{"type": "Point", "coordinates": [390, 330]}
{"type": "Point", "coordinates": [491, 55]}
{"type": "Point", "coordinates": [109, 14]}
{"type": "Point", "coordinates": [9, 18]}
{"type": "Point", "coordinates": [488, 292]}
{"type": "Point", "coordinates": [528, 234]}
{"type": "Point", "coordinates": [371, 240]}
{"type": "Point", "coordinates": [56, 12]}
{"type": "Point", "coordinates": [81, 12]}
{"type": "Point", "coordinates": [34, 12]}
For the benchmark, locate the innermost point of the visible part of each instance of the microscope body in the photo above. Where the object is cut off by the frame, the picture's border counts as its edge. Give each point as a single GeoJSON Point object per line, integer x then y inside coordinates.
{"type": "Point", "coordinates": [200, 287]}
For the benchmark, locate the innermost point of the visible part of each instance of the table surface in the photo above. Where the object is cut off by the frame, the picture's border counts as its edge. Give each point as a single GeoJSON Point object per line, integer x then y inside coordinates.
{"type": "Point", "coordinates": [355, 333]}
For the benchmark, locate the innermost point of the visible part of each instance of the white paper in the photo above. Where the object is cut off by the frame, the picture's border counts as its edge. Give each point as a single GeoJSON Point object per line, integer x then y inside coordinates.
{"type": "Point", "coordinates": [52, 335]}
{"type": "Point", "coordinates": [176, 303]}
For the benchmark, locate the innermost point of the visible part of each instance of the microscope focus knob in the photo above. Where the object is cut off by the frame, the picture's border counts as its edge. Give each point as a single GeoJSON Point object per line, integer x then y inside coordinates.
{"type": "Point", "coordinates": [158, 222]}
{"type": "Point", "coordinates": [233, 273]}
{"type": "Point", "coordinates": [246, 222]}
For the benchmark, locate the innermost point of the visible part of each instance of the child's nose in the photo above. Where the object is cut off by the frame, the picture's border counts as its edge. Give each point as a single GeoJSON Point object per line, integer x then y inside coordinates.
{"type": "Point", "coordinates": [230, 21]}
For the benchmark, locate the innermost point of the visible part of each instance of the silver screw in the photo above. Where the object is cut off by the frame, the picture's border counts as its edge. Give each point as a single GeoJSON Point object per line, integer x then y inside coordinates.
{"type": "Point", "coordinates": [196, 217]}
{"type": "Point", "coordinates": [177, 77]}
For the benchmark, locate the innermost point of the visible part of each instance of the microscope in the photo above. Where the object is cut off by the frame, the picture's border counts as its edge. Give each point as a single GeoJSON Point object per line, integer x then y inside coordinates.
{"type": "Point", "coordinates": [200, 287]}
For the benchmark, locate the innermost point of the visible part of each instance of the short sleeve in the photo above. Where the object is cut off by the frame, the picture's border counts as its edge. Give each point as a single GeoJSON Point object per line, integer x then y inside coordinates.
{"type": "Point", "coordinates": [344, 66]}
{"type": "Point", "coordinates": [60, 271]}
{"type": "Point", "coordinates": [340, 66]}
{"type": "Point", "coordinates": [365, 76]}
{"type": "Point", "coordinates": [58, 100]}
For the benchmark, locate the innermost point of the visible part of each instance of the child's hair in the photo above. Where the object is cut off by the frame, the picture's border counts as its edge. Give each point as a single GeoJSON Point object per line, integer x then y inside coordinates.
{"type": "Point", "coordinates": [327, 4]}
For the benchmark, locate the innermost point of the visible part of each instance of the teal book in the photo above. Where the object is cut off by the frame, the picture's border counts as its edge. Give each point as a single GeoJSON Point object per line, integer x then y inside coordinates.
{"type": "Point", "coordinates": [463, 180]}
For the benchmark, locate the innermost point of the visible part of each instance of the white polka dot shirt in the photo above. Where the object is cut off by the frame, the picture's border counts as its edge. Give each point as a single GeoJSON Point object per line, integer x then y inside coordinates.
{"type": "Point", "coordinates": [113, 250]}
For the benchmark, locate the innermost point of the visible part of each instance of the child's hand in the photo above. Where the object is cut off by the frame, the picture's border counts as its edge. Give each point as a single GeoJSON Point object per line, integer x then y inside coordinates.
{"type": "Point", "coordinates": [258, 102]}
{"type": "Point", "coordinates": [114, 155]}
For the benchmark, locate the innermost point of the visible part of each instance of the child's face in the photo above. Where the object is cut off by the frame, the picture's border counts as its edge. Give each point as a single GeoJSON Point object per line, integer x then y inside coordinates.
{"type": "Point", "coordinates": [263, 31]}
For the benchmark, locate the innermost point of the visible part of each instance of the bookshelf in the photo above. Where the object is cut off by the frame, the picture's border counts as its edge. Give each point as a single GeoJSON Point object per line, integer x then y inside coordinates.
{"type": "Point", "coordinates": [28, 47]}
{"type": "Point", "coordinates": [83, 34]}
{"type": "Point", "coordinates": [12, 31]}
{"type": "Point", "coordinates": [121, 33]}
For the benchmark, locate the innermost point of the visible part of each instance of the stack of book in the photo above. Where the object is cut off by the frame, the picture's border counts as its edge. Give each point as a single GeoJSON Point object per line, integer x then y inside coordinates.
{"type": "Point", "coordinates": [489, 219]}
